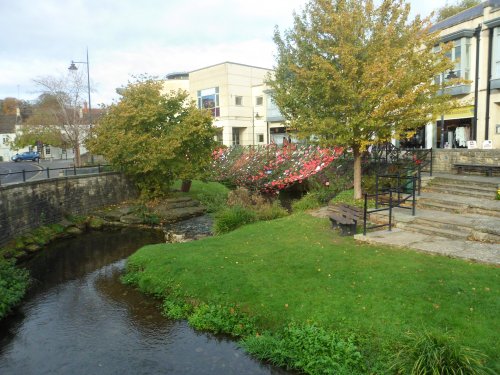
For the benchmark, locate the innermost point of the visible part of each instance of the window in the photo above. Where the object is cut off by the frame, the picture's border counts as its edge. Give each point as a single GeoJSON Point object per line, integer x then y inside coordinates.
{"type": "Point", "coordinates": [238, 100]}
{"type": "Point", "coordinates": [47, 150]}
{"type": "Point", "coordinates": [498, 128]}
{"type": "Point", "coordinates": [236, 136]}
{"type": "Point", "coordinates": [495, 71]}
{"type": "Point", "coordinates": [209, 99]}
{"type": "Point", "coordinates": [259, 100]}
{"type": "Point", "coordinates": [460, 56]}
{"type": "Point", "coordinates": [5, 140]}
{"type": "Point", "coordinates": [260, 138]}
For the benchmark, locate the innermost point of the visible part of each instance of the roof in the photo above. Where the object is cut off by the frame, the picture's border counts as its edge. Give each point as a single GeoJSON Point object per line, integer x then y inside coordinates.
{"type": "Point", "coordinates": [464, 16]}
{"type": "Point", "coordinates": [233, 63]}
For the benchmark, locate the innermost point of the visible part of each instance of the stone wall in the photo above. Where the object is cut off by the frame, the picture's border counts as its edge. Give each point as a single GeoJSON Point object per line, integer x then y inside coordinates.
{"type": "Point", "coordinates": [33, 204]}
{"type": "Point", "coordinates": [443, 159]}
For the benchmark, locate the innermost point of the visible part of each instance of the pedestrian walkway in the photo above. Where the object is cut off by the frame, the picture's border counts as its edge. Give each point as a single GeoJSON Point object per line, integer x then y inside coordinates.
{"type": "Point", "coordinates": [459, 248]}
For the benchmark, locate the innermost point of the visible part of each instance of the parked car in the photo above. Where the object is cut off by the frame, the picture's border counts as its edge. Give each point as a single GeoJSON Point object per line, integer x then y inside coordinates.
{"type": "Point", "coordinates": [28, 155]}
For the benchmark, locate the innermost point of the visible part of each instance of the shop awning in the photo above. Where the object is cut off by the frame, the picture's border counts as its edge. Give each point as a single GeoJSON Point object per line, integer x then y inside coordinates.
{"type": "Point", "coordinates": [458, 113]}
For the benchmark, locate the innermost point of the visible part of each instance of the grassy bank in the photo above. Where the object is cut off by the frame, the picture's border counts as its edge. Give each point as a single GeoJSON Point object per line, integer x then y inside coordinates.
{"type": "Point", "coordinates": [297, 269]}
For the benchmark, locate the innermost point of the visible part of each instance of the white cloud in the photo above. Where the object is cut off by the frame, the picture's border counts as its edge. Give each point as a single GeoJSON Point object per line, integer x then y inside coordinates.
{"type": "Point", "coordinates": [128, 37]}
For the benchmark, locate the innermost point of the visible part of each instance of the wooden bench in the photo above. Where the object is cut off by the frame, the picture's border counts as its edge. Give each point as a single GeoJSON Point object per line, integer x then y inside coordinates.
{"type": "Point", "coordinates": [345, 217]}
{"type": "Point", "coordinates": [488, 168]}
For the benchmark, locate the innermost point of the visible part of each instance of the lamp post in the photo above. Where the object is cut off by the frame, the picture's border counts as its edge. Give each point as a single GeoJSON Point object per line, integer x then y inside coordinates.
{"type": "Point", "coordinates": [73, 68]}
{"type": "Point", "coordinates": [451, 74]}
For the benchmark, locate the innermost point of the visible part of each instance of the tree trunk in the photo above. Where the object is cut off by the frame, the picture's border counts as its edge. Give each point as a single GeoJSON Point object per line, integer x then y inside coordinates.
{"type": "Point", "coordinates": [357, 173]}
{"type": "Point", "coordinates": [185, 186]}
{"type": "Point", "coordinates": [78, 158]}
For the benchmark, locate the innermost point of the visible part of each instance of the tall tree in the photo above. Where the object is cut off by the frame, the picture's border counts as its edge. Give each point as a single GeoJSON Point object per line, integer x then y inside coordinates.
{"type": "Point", "coordinates": [155, 138]}
{"type": "Point", "coordinates": [352, 74]}
{"type": "Point", "coordinates": [58, 117]}
{"type": "Point", "coordinates": [447, 10]}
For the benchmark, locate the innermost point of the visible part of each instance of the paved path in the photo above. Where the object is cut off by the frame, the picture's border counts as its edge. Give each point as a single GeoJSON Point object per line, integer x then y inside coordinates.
{"type": "Point", "coordinates": [471, 250]}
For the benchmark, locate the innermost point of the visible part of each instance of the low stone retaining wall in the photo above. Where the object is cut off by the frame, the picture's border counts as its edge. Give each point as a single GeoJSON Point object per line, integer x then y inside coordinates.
{"type": "Point", "coordinates": [34, 204]}
{"type": "Point", "coordinates": [443, 159]}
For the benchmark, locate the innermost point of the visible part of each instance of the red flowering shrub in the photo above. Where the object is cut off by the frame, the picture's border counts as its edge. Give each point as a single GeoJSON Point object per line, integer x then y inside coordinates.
{"type": "Point", "coordinates": [270, 168]}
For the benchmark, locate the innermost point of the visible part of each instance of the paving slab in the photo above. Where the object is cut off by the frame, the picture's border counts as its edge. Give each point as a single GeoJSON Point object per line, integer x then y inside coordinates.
{"type": "Point", "coordinates": [471, 250]}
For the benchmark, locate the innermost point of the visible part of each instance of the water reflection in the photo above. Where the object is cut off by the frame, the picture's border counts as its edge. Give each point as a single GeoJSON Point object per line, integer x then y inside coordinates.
{"type": "Point", "coordinates": [79, 319]}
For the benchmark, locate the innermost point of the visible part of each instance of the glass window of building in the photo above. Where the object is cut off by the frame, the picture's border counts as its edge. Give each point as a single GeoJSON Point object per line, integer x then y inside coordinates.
{"type": "Point", "coordinates": [236, 136]}
{"type": "Point", "coordinates": [238, 100]}
{"type": "Point", "coordinates": [495, 71]}
{"type": "Point", "coordinates": [209, 99]}
{"type": "Point", "coordinates": [460, 55]}
{"type": "Point", "coordinates": [259, 100]}
{"type": "Point", "coordinates": [260, 138]}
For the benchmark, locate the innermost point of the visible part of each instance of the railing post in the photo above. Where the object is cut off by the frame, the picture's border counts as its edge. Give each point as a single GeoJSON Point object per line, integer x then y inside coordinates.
{"type": "Point", "coordinates": [74, 169]}
{"type": "Point", "coordinates": [364, 214]}
{"type": "Point", "coordinates": [413, 202]}
{"type": "Point", "coordinates": [48, 173]}
{"type": "Point", "coordinates": [399, 188]}
{"type": "Point", "coordinates": [24, 175]}
{"type": "Point", "coordinates": [98, 168]}
{"type": "Point", "coordinates": [419, 174]}
{"type": "Point", "coordinates": [376, 190]}
{"type": "Point", "coordinates": [431, 164]}
{"type": "Point", "coordinates": [390, 210]}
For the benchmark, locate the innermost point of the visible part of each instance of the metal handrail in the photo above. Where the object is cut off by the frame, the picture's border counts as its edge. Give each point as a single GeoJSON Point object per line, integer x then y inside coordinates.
{"type": "Point", "coordinates": [100, 168]}
{"type": "Point", "coordinates": [366, 212]}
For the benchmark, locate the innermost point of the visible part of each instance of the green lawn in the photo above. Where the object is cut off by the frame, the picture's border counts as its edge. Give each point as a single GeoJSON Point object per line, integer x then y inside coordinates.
{"type": "Point", "coordinates": [297, 268]}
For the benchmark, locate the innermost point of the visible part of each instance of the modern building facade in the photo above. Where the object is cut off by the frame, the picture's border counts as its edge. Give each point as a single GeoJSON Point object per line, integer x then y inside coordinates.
{"type": "Point", "coordinates": [239, 100]}
{"type": "Point", "coordinates": [475, 34]}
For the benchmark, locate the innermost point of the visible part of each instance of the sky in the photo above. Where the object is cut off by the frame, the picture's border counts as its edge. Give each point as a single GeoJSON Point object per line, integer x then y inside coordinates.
{"type": "Point", "coordinates": [126, 38]}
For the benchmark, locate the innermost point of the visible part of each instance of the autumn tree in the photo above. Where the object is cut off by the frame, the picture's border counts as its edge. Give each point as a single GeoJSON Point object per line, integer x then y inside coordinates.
{"type": "Point", "coordinates": [155, 138]}
{"type": "Point", "coordinates": [447, 10]}
{"type": "Point", "coordinates": [58, 117]}
{"type": "Point", "coordinates": [351, 74]}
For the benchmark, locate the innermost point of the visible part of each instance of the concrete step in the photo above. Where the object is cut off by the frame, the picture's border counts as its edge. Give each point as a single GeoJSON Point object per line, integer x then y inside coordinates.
{"type": "Point", "coordinates": [464, 226]}
{"type": "Point", "coordinates": [458, 204]}
{"type": "Point", "coordinates": [433, 231]}
{"type": "Point", "coordinates": [467, 181]}
{"type": "Point", "coordinates": [480, 187]}
{"type": "Point", "coordinates": [453, 190]}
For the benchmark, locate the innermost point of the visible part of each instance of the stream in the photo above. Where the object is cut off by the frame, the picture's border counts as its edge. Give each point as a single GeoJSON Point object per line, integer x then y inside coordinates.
{"type": "Point", "coordinates": [79, 319]}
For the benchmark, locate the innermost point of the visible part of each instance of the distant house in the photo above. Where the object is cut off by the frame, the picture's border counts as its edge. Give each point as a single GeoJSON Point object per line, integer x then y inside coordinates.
{"type": "Point", "coordinates": [239, 100]}
{"type": "Point", "coordinates": [7, 134]}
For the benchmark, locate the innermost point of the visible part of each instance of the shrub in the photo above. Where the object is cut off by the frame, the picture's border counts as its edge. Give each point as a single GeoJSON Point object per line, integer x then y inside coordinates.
{"type": "Point", "coordinates": [231, 218]}
{"type": "Point", "coordinates": [307, 202]}
{"type": "Point", "coordinates": [308, 348]}
{"type": "Point", "coordinates": [222, 319]}
{"type": "Point", "coordinates": [175, 308]}
{"type": "Point", "coordinates": [13, 285]}
{"type": "Point", "coordinates": [270, 211]}
{"type": "Point", "coordinates": [437, 354]}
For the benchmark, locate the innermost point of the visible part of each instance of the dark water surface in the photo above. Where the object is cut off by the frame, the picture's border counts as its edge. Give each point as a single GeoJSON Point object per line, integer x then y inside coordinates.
{"type": "Point", "coordinates": [79, 319]}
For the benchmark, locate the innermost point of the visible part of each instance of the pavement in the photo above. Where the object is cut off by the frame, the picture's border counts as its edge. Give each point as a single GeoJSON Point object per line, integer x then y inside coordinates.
{"type": "Point", "coordinates": [481, 252]}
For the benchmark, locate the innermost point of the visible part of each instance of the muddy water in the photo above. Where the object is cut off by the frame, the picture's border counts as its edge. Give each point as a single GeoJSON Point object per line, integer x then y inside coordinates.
{"type": "Point", "coordinates": [79, 319]}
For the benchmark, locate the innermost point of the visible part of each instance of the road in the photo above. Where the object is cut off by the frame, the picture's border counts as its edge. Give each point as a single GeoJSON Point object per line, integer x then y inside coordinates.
{"type": "Point", "coordinates": [12, 172]}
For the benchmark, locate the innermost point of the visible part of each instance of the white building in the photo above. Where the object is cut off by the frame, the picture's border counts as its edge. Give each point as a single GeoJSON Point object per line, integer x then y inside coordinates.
{"type": "Point", "coordinates": [239, 100]}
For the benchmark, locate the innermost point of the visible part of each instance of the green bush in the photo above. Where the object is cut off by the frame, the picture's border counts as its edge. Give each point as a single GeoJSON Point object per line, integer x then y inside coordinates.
{"type": "Point", "coordinates": [13, 284]}
{"type": "Point", "coordinates": [438, 354]}
{"type": "Point", "coordinates": [270, 211]}
{"type": "Point", "coordinates": [308, 348]}
{"type": "Point", "coordinates": [231, 218]}
{"type": "Point", "coordinates": [221, 319]}
{"type": "Point", "coordinates": [307, 202]}
{"type": "Point", "coordinates": [176, 308]}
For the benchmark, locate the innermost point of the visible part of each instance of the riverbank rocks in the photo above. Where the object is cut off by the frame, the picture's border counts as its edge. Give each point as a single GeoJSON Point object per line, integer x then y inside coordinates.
{"type": "Point", "coordinates": [177, 209]}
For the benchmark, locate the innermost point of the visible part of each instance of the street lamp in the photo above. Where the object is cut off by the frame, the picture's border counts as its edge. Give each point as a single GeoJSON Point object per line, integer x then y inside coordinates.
{"type": "Point", "coordinates": [451, 74]}
{"type": "Point", "coordinates": [73, 68]}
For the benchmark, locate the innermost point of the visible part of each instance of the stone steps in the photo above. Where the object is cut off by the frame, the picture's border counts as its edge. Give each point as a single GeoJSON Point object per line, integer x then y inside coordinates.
{"type": "Point", "coordinates": [453, 207]}
{"type": "Point", "coordinates": [465, 191]}
{"type": "Point", "coordinates": [458, 204]}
